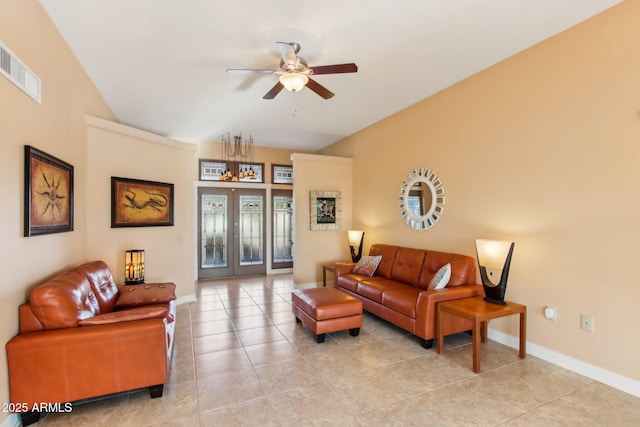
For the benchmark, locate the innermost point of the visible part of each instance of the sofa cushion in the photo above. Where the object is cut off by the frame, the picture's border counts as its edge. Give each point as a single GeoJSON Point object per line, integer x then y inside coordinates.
{"type": "Point", "coordinates": [367, 265]}
{"type": "Point", "coordinates": [407, 266]}
{"type": "Point", "coordinates": [64, 300]}
{"type": "Point", "coordinates": [388, 257]}
{"type": "Point", "coordinates": [441, 278]}
{"type": "Point", "coordinates": [463, 269]}
{"type": "Point", "coordinates": [402, 300]}
{"type": "Point", "coordinates": [136, 313]}
{"type": "Point", "coordinates": [349, 281]}
{"type": "Point", "coordinates": [146, 294]}
{"type": "Point", "coordinates": [102, 283]}
{"type": "Point", "coordinates": [373, 287]}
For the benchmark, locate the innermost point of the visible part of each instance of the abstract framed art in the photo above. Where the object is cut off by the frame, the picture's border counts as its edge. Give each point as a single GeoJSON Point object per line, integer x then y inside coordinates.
{"type": "Point", "coordinates": [325, 210]}
{"type": "Point", "coordinates": [139, 203]}
{"type": "Point", "coordinates": [48, 193]}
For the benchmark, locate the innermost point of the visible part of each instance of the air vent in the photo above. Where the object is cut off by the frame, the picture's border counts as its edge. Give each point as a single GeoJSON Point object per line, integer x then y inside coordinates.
{"type": "Point", "coordinates": [13, 69]}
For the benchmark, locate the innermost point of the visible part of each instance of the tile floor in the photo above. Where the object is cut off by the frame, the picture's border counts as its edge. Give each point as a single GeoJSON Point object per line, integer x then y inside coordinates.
{"type": "Point", "coordinates": [241, 360]}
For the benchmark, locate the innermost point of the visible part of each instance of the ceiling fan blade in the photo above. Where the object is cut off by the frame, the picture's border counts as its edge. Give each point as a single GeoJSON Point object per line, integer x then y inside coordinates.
{"type": "Point", "coordinates": [319, 89]}
{"type": "Point", "coordinates": [249, 70]}
{"type": "Point", "coordinates": [288, 53]}
{"type": "Point", "coordinates": [335, 69]}
{"type": "Point", "coordinates": [274, 91]}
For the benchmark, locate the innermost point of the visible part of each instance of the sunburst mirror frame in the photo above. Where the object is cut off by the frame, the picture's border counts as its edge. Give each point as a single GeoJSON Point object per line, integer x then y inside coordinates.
{"type": "Point", "coordinates": [434, 212]}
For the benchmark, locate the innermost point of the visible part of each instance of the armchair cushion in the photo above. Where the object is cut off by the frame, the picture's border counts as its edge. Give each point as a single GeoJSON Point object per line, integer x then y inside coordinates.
{"type": "Point", "coordinates": [136, 313]}
{"type": "Point", "coordinates": [151, 293]}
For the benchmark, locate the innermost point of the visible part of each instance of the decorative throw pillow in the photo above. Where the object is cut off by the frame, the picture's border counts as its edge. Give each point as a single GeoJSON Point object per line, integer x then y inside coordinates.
{"type": "Point", "coordinates": [441, 278]}
{"type": "Point", "coordinates": [367, 265]}
{"type": "Point", "coordinates": [145, 294]}
{"type": "Point", "coordinates": [136, 313]}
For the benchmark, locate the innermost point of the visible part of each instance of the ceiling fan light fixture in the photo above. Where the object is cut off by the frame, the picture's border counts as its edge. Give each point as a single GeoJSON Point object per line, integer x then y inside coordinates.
{"type": "Point", "coordinates": [293, 82]}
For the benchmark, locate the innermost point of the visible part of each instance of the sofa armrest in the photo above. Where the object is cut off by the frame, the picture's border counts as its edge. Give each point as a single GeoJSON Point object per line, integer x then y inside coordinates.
{"type": "Point", "coordinates": [64, 365]}
{"type": "Point", "coordinates": [426, 309]}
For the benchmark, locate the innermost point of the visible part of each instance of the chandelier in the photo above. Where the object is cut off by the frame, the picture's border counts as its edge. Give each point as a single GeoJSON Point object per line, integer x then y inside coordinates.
{"type": "Point", "coordinates": [236, 151]}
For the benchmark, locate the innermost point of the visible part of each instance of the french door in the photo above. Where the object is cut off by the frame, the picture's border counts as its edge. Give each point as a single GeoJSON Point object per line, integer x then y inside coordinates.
{"type": "Point", "coordinates": [231, 230]}
{"type": "Point", "coordinates": [282, 241]}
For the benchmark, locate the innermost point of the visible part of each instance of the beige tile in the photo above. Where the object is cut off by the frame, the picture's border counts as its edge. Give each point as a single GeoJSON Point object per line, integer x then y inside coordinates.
{"type": "Point", "coordinates": [263, 335]}
{"type": "Point", "coordinates": [311, 402]}
{"type": "Point", "coordinates": [213, 327]}
{"type": "Point", "coordinates": [251, 413]}
{"type": "Point", "coordinates": [271, 352]}
{"type": "Point", "coordinates": [460, 405]}
{"type": "Point", "coordinates": [220, 390]}
{"type": "Point", "coordinates": [215, 342]}
{"type": "Point", "coordinates": [219, 362]}
{"type": "Point", "coordinates": [286, 375]}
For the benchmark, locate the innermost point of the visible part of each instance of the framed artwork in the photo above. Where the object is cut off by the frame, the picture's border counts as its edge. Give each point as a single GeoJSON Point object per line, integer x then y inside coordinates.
{"type": "Point", "coordinates": [138, 203]}
{"type": "Point", "coordinates": [257, 170]}
{"type": "Point", "coordinates": [48, 193]}
{"type": "Point", "coordinates": [210, 170]}
{"type": "Point", "coordinates": [281, 174]}
{"type": "Point", "coordinates": [325, 210]}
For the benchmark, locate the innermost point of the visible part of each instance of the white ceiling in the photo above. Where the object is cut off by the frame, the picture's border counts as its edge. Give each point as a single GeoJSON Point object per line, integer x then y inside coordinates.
{"type": "Point", "coordinates": [160, 64]}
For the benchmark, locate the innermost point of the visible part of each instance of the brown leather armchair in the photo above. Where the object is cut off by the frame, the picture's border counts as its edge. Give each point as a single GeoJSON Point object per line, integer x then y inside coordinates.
{"type": "Point", "coordinates": [81, 336]}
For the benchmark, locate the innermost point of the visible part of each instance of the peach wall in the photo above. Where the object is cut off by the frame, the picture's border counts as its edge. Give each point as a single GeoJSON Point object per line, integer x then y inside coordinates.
{"type": "Point", "coordinates": [117, 150]}
{"type": "Point", "coordinates": [57, 126]}
{"type": "Point", "coordinates": [313, 248]}
{"type": "Point", "coordinates": [544, 149]}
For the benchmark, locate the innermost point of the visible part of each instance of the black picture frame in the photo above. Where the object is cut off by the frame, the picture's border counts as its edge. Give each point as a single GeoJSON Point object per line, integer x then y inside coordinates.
{"type": "Point", "coordinates": [140, 203]}
{"type": "Point", "coordinates": [48, 193]}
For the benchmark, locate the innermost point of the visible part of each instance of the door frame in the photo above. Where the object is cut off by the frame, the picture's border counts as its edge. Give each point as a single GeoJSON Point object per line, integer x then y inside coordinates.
{"type": "Point", "coordinates": [268, 225]}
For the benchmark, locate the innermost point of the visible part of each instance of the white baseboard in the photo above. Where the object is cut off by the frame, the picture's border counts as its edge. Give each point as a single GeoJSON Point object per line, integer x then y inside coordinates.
{"type": "Point", "coordinates": [185, 299]}
{"type": "Point", "coordinates": [604, 376]}
{"type": "Point", "coordinates": [13, 420]}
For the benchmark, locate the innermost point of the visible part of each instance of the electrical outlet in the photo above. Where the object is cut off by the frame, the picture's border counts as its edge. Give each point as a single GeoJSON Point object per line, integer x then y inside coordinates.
{"type": "Point", "coordinates": [550, 313]}
{"type": "Point", "coordinates": [586, 322]}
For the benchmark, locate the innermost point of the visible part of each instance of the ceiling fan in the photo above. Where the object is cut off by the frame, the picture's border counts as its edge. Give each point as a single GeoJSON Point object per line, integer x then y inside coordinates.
{"type": "Point", "coordinates": [294, 72]}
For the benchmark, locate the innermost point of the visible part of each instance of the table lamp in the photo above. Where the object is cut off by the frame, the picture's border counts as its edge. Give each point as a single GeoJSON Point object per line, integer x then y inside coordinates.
{"type": "Point", "coordinates": [356, 239]}
{"type": "Point", "coordinates": [134, 267]}
{"type": "Point", "coordinates": [494, 259]}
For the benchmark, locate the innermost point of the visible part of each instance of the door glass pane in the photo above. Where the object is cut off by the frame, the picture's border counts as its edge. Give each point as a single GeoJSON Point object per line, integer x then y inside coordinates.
{"type": "Point", "coordinates": [250, 229]}
{"type": "Point", "coordinates": [282, 229]}
{"type": "Point", "coordinates": [214, 230]}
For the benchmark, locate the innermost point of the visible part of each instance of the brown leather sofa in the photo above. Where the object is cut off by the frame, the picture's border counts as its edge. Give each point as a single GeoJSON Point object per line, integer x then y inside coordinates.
{"type": "Point", "coordinates": [398, 293]}
{"type": "Point", "coordinates": [82, 336]}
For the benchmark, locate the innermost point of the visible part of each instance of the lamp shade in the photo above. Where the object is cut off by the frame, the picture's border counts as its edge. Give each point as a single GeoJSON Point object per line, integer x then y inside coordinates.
{"type": "Point", "coordinates": [134, 267]}
{"type": "Point", "coordinates": [494, 260]}
{"type": "Point", "coordinates": [356, 239]}
{"type": "Point", "coordinates": [293, 82]}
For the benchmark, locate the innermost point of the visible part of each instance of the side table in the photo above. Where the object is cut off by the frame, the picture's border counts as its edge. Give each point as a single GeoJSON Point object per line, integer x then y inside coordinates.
{"type": "Point", "coordinates": [327, 267]}
{"type": "Point", "coordinates": [330, 268]}
{"type": "Point", "coordinates": [480, 312]}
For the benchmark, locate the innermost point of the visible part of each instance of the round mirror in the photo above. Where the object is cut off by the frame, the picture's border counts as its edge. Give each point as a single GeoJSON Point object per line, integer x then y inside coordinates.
{"type": "Point", "coordinates": [421, 199]}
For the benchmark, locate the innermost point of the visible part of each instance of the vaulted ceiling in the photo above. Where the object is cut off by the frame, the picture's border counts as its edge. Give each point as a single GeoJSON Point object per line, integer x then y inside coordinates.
{"type": "Point", "coordinates": [161, 64]}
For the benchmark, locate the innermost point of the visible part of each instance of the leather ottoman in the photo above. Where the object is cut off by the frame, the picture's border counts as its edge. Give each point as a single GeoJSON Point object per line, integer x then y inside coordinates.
{"type": "Point", "coordinates": [325, 310]}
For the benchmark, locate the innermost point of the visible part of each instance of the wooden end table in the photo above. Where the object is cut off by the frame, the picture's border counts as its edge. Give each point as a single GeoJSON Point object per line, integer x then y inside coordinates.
{"type": "Point", "coordinates": [480, 312]}
{"type": "Point", "coordinates": [325, 268]}
{"type": "Point", "coordinates": [331, 268]}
